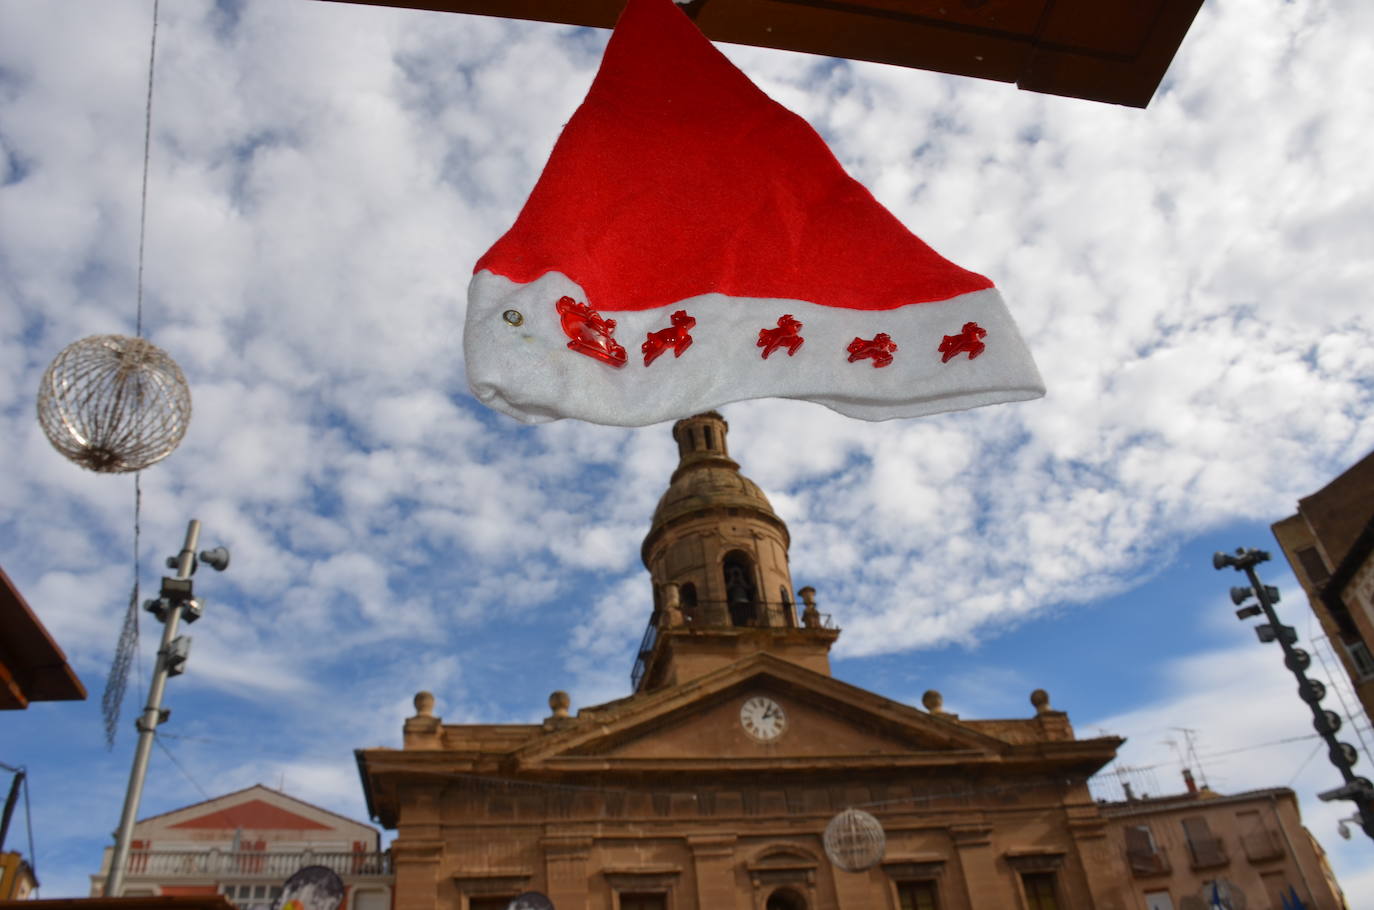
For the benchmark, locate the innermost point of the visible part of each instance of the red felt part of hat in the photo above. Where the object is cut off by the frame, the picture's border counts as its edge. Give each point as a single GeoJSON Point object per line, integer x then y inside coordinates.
{"type": "Point", "coordinates": [678, 176]}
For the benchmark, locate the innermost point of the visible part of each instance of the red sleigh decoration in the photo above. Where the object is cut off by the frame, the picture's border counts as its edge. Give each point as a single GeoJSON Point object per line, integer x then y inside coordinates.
{"type": "Point", "coordinates": [786, 335]}
{"type": "Point", "coordinates": [674, 337]}
{"type": "Point", "coordinates": [590, 332]}
{"type": "Point", "coordinates": [880, 347]}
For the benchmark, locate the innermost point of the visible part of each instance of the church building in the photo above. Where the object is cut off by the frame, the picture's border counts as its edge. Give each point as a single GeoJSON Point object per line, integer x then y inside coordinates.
{"type": "Point", "coordinates": [711, 786]}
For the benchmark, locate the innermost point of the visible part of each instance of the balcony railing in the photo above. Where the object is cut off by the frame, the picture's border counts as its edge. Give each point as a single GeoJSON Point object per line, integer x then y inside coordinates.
{"type": "Point", "coordinates": [1262, 845]}
{"type": "Point", "coordinates": [694, 617]}
{"type": "Point", "coordinates": [1207, 851]}
{"type": "Point", "coordinates": [224, 864]}
{"type": "Point", "coordinates": [1145, 863]}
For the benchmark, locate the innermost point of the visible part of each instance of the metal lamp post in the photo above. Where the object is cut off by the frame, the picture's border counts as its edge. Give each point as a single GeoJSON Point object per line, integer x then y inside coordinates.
{"type": "Point", "coordinates": [1343, 755]}
{"type": "Point", "coordinates": [175, 602]}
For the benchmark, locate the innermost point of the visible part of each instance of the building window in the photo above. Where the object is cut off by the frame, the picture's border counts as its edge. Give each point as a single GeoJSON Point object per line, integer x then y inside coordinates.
{"type": "Point", "coordinates": [687, 595]}
{"type": "Point", "coordinates": [252, 896]}
{"type": "Point", "coordinates": [1313, 566]}
{"type": "Point", "coordinates": [644, 901]}
{"type": "Point", "coordinates": [1143, 853]}
{"type": "Point", "coordinates": [1158, 900]}
{"type": "Point", "coordinates": [1039, 888]}
{"type": "Point", "coordinates": [1361, 658]}
{"type": "Point", "coordinates": [916, 895]}
{"type": "Point", "coordinates": [1204, 849]}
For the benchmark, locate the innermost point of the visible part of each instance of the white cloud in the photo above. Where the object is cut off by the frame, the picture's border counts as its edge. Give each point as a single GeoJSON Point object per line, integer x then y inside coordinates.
{"type": "Point", "coordinates": [1190, 277]}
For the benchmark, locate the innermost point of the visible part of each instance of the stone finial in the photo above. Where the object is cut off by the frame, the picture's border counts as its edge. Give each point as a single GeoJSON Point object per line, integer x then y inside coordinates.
{"type": "Point", "coordinates": [934, 701]}
{"type": "Point", "coordinates": [559, 702]}
{"type": "Point", "coordinates": [811, 617]}
{"type": "Point", "coordinates": [1041, 700]}
{"type": "Point", "coordinates": [423, 730]}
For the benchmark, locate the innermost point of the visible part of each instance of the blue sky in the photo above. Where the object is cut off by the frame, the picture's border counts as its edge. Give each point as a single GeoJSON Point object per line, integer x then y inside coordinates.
{"type": "Point", "coordinates": [1192, 279]}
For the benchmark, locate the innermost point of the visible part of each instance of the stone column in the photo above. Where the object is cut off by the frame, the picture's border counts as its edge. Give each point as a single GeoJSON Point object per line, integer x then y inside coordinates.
{"type": "Point", "coordinates": [1104, 869]}
{"type": "Point", "coordinates": [565, 866]}
{"type": "Point", "coordinates": [983, 885]}
{"type": "Point", "coordinates": [416, 863]}
{"type": "Point", "coordinates": [713, 858]}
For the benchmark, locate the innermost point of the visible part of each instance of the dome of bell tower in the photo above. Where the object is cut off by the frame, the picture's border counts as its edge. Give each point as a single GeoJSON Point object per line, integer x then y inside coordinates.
{"type": "Point", "coordinates": [715, 537]}
{"type": "Point", "coordinates": [706, 479]}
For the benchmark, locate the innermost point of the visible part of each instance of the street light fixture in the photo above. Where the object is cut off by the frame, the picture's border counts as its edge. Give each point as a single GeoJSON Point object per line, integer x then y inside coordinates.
{"type": "Point", "coordinates": [175, 601]}
{"type": "Point", "coordinates": [1343, 755]}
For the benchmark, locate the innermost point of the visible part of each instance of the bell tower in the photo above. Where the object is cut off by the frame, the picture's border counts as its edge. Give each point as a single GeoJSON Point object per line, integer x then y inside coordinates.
{"type": "Point", "coordinates": [717, 556]}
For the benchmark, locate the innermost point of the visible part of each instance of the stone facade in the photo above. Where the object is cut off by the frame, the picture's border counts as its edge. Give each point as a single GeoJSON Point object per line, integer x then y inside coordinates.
{"type": "Point", "coordinates": [710, 786]}
{"type": "Point", "coordinates": [1252, 843]}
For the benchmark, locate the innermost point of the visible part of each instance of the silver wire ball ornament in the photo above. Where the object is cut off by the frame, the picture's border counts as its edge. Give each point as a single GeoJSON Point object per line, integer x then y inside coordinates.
{"type": "Point", "coordinates": [854, 840]}
{"type": "Point", "coordinates": [114, 404]}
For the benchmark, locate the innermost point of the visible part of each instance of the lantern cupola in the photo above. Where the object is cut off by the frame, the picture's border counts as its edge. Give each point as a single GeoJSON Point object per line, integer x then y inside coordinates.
{"type": "Point", "coordinates": [717, 555]}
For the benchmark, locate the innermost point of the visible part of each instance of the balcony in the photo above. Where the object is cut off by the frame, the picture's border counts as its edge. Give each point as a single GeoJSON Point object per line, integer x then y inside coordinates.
{"type": "Point", "coordinates": [1145, 863]}
{"type": "Point", "coordinates": [1207, 852]}
{"type": "Point", "coordinates": [223, 865]}
{"type": "Point", "coordinates": [695, 617]}
{"type": "Point", "coordinates": [1262, 845]}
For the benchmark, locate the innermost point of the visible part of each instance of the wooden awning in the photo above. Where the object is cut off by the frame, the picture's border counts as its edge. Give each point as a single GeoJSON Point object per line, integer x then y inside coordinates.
{"type": "Point", "coordinates": [1100, 50]}
{"type": "Point", "coordinates": [32, 666]}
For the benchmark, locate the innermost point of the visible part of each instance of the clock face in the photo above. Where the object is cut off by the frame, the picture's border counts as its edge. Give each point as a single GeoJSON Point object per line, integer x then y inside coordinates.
{"type": "Point", "coordinates": [762, 718]}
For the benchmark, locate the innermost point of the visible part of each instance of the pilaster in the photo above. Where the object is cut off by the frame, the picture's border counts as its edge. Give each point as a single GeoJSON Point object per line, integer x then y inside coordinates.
{"type": "Point", "coordinates": [416, 863]}
{"type": "Point", "coordinates": [566, 870]}
{"type": "Point", "coordinates": [713, 859]}
{"type": "Point", "coordinates": [983, 884]}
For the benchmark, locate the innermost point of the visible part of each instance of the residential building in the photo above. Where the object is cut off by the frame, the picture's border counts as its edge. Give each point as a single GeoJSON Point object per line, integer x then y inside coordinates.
{"type": "Point", "coordinates": [1330, 545]}
{"type": "Point", "coordinates": [17, 880]}
{"type": "Point", "coordinates": [1252, 844]}
{"type": "Point", "coordinates": [711, 785]}
{"type": "Point", "coordinates": [244, 845]}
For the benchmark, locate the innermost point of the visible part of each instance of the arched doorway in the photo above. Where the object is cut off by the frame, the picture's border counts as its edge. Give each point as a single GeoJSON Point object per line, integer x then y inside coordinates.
{"type": "Point", "coordinates": [785, 899]}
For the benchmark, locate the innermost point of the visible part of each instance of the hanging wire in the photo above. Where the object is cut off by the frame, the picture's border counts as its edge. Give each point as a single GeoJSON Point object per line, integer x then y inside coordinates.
{"type": "Point", "coordinates": [1307, 761]}
{"type": "Point", "coordinates": [147, 155]}
{"type": "Point", "coordinates": [126, 650]}
{"type": "Point", "coordinates": [180, 767]}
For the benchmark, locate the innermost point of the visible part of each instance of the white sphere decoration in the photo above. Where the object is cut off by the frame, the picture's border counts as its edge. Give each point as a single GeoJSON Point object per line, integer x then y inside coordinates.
{"type": "Point", "coordinates": [114, 404]}
{"type": "Point", "coordinates": [854, 840]}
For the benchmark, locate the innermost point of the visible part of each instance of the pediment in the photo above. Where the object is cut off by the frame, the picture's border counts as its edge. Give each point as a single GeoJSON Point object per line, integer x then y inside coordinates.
{"type": "Point", "coordinates": [256, 809]}
{"type": "Point", "coordinates": [826, 721]}
{"type": "Point", "coordinates": [254, 814]}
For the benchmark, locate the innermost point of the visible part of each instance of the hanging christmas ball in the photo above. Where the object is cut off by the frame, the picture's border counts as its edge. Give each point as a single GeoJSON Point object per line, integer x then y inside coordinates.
{"type": "Point", "coordinates": [114, 404]}
{"type": "Point", "coordinates": [854, 840]}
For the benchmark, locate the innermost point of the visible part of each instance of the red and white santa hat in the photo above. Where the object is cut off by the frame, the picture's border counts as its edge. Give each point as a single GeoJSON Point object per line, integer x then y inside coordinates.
{"type": "Point", "coordinates": [686, 232]}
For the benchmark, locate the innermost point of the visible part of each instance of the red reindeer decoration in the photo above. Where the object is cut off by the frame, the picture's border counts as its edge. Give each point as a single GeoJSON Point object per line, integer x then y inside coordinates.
{"type": "Point", "coordinates": [674, 337]}
{"type": "Point", "coordinates": [880, 348]}
{"type": "Point", "coordinates": [786, 335]}
{"type": "Point", "coordinates": [968, 341]}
